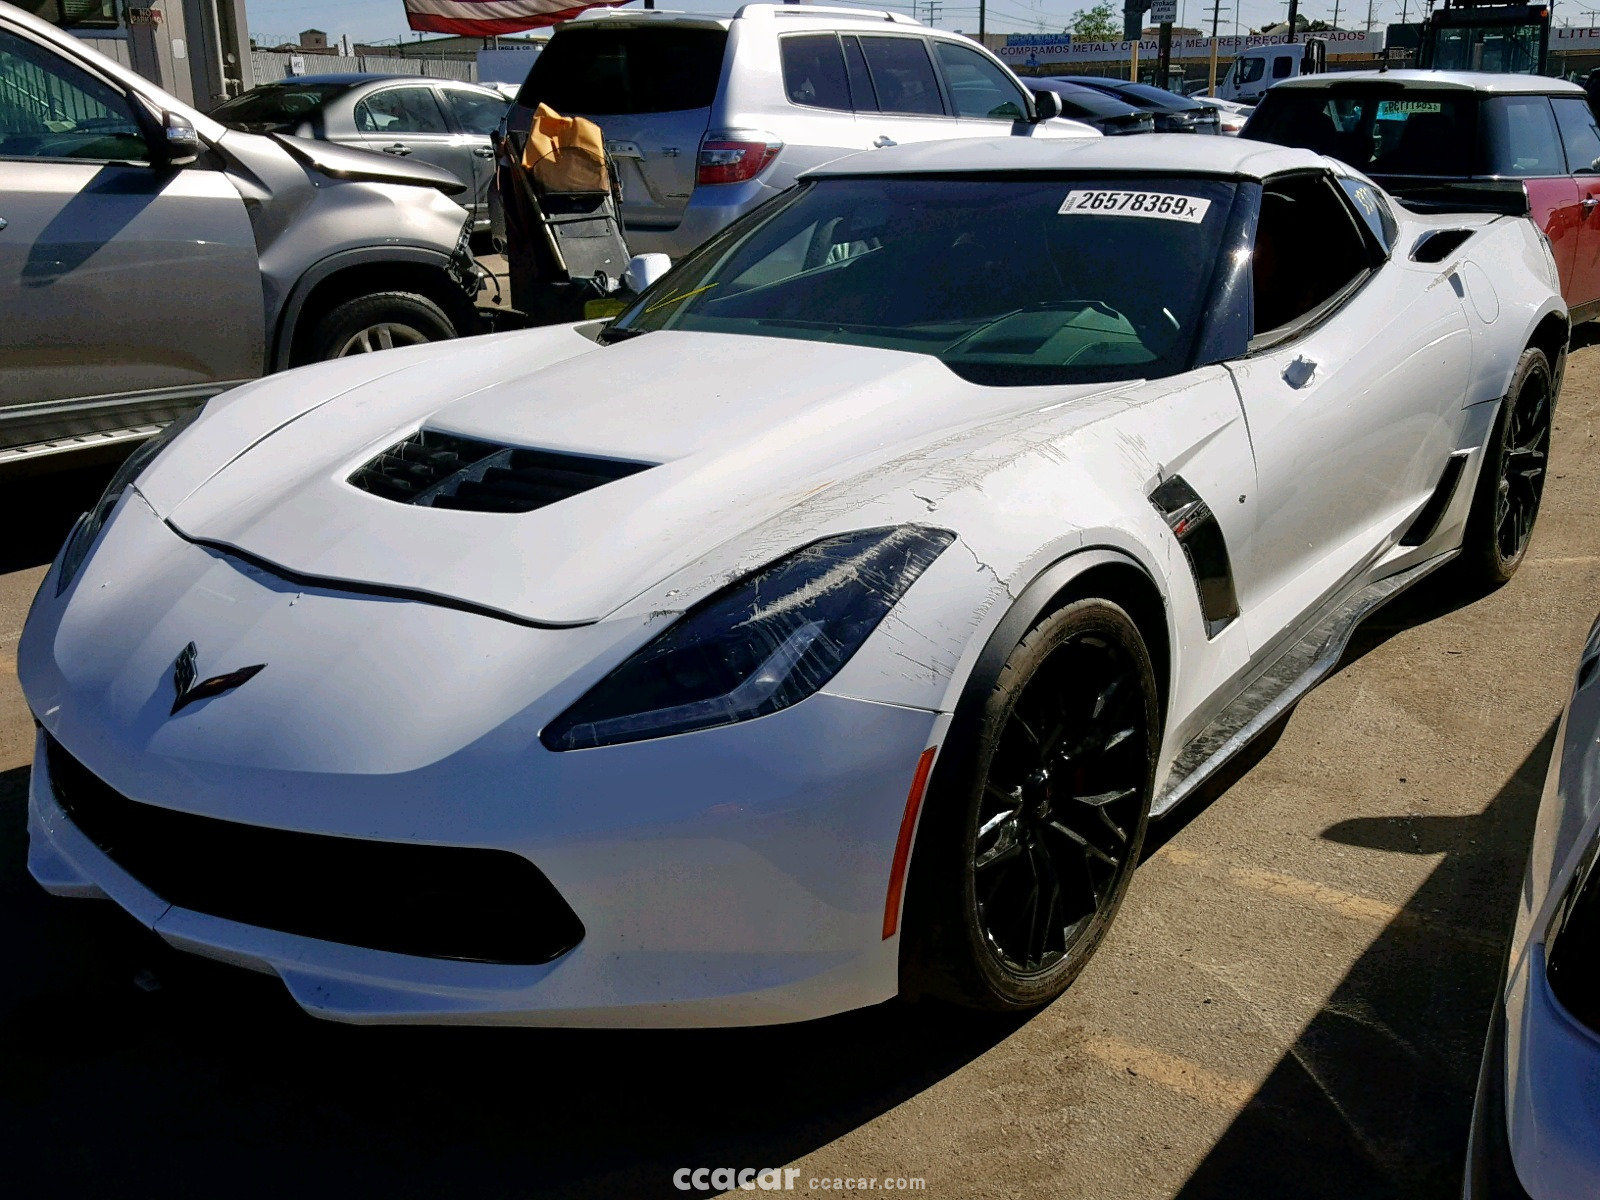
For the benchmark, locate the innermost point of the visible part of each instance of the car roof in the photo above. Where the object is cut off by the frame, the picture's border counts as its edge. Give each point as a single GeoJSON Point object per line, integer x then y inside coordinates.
{"type": "Point", "coordinates": [1150, 153]}
{"type": "Point", "coordinates": [817, 14]}
{"type": "Point", "coordinates": [1471, 81]}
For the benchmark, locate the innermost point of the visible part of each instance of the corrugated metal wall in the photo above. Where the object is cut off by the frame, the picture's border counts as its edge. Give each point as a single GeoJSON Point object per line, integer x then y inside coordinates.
{"type": "Point", "coordinates": [270, 65]}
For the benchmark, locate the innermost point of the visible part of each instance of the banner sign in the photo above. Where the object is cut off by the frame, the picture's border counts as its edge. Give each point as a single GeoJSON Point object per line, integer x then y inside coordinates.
{"type": "Point", "coordinates": [1055, 50]}
{"type": "Point", "coordinates": [1574, 39]}
{"type": "Point", "coordinates": [485, 18]}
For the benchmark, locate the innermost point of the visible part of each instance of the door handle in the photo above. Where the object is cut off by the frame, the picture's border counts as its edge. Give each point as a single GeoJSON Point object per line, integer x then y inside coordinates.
{"type": "Point", "coordinates": [483, 151]}
{"type": "Point", "coordinates": [399, 148]}
{"type": "Point", "coordinates": [1589, 203]}
{"type": "Point", "coordinates": [882, 140]}
{"type": "Point", "coordinates": [4, 222]}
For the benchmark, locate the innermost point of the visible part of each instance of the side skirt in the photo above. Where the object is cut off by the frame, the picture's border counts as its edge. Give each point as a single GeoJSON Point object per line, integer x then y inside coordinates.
{"type": "Point", "coordinates": [1301, 665]}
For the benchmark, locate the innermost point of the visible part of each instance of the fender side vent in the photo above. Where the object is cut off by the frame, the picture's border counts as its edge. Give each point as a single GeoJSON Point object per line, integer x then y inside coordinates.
{"type": "Point", "coordinates": [440, 470]}
{"type": "Point", "coordinates": [1439, 245]}
{"type": "Point", "coordinates": [1195, 526]}
{"type": "Point", "coordinates": [1427, 521]}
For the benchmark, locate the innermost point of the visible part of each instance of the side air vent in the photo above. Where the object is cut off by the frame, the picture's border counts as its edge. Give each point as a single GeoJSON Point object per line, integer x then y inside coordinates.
{"type": "Point", "coordinates": [1439, 245]}
{"type": "Point", "coordinates": [440, 470]}
{"type": "Point", "coordinates": [1195, 526]}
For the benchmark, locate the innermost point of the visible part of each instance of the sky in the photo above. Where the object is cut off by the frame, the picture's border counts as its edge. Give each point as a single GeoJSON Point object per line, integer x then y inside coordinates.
{"type": "Point", "coordinates": [273, 21]}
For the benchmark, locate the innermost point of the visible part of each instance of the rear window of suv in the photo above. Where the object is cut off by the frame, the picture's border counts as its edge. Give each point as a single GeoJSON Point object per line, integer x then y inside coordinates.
{"type": "Point", "coordinates": [606, 72]}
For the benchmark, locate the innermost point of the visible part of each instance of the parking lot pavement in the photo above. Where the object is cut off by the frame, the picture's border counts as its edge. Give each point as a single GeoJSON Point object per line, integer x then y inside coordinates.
{"type": "Point", "coordinates": [1291, 1003]}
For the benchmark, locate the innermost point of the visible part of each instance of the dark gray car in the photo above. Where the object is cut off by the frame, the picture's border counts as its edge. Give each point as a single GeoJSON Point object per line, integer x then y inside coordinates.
{"type": "Point", "coordinates": [437, 121]}
{"type": "Point", "coordinates": [151, 258]}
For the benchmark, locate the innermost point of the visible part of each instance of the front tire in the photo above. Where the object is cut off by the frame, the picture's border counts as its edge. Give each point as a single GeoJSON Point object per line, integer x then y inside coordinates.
{"type": "Point", "coordinates": [1024, 857]}
{"type": "Point", "coordinates": [383, 321]}
{"type": "Point", "coordinates": [1511, 480]}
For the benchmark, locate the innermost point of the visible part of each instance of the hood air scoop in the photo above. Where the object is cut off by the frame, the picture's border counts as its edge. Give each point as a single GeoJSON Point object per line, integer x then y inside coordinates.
{"type": "Point", "coordinates": [440, 470]}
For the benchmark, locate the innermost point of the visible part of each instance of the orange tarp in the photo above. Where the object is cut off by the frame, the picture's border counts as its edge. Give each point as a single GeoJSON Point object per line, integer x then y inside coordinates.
{"type": "Point", "coordinates": [565, 154]}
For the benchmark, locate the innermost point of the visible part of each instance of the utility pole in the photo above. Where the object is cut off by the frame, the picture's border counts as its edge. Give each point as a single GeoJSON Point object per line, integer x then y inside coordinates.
{"type": "Point", "coordinates": [1369, 16]}
{"type": "Point", "coordinates": [1336, 14]}
{"type": "Point", "coordinates": [1294, 15]}
{"type": "Point", "coordinates": [983, 12]}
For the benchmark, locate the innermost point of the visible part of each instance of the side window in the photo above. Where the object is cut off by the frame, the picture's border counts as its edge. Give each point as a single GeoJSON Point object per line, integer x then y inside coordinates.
{"type": "Point", "coordinates": [1523, 138]}
{"type": "Point", "coordinates": [1373, 210]}
{"type": "Point", "coordinates": [978, 88]}
{"type": "Point", "coordinates": [400, 110]}
{"type": "Point", "coordinates": [813, 71]}
{"type": "Point", "coordinates": [475, 113]}
{"type": "Point", "coordinates": [50, 108]}
{"type": "Point", "coordinates": [1290, 278]}
{"type": "Point", "coordinates": [1579, 134]}
{"type": "Point", "coordinates": [1251, 69]}
{"type": "Point", "coordinates": [855, 65]}
{"type": "Point", "coordinates": [1281, 67]}
{"type": "Point", "coordinates": [902, 75]}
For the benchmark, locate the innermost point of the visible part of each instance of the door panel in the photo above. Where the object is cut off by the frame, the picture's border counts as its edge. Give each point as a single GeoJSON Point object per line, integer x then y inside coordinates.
{"type": "Point", "coordinates": [1354, 402]}
{"type": "Point", "coordinates": [477, 116]}
{"type": "Point", "coordinates": [1554, 206]}
{"type": "Point", "coordinates": [122, 279]}
{"type": "Point", "coordinates": [1351, 426]}
{"type": "Point", "coordinates": [410, 122]}
{"type": "Point", "coordinates": [1580, 138]}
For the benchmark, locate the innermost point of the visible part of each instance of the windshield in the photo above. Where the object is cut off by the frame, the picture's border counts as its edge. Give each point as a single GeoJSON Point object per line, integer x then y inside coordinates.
{"type": "Point", "coordinates": [1007, 281]}
{"type": "Point", "coordinates": [1379, 129]}
{"type": "Point", "coordinates": [610, 72]}
{"type": "Point", "coordinates": [277, 108]}
{"type": "Point", "coordinates": [1510, 48]}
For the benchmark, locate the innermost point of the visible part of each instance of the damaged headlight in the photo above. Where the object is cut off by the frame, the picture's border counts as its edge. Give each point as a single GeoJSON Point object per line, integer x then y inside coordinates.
{"type": "Point", "coordinates": [84, 533]}
{"type": "Point", "coordinates": [757, 646]}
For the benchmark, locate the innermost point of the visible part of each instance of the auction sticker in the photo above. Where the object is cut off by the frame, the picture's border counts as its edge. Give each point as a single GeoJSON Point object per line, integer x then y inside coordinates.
{"type": "Point", "coordinates": [1163, 206]}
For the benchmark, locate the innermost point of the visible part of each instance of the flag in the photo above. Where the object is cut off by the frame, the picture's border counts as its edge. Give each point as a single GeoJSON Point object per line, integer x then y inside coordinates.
{"type": "Point", "coordinates": [485, 18]}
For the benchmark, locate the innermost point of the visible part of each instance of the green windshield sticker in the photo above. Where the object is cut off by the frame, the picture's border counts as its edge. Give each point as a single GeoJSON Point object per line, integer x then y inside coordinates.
{"type": "Point", "coordinates": [1388, 110]}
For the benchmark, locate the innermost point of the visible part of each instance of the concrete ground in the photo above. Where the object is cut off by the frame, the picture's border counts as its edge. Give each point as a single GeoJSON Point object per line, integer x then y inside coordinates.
{"type": "Point", "coordinates": [1291, 1004]}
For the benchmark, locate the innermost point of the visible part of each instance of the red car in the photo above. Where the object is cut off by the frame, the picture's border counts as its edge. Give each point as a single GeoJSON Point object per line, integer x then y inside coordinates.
{"type": "Point", "coordinates": [1453, 140]}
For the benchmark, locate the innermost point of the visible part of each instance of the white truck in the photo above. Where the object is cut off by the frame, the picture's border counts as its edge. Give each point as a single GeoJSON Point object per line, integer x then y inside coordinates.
{"type": "Point", "coordinates": [1258, 68]}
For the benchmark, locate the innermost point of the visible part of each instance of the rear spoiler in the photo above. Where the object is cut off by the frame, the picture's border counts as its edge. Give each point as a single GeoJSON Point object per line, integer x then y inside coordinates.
{"type": "Point", "coordinates": [1506, 196]}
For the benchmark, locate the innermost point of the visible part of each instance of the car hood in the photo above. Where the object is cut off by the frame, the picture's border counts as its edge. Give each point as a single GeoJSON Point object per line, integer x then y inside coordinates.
{"type": "Point", "coordinates": [734, 430]}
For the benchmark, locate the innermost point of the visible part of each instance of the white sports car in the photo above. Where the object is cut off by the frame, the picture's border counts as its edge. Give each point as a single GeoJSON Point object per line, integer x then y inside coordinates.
{"type": "Point", "coordinates": [826, 627]}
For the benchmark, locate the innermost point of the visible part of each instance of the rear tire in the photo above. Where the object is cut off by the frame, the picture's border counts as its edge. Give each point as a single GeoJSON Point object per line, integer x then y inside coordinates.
{"type": "Point", "coordinates": [1027, 848]}
{"type": "Point", "coordinates": [1510, 486]}
{"type": "Point", "coordinates": [381, 321]}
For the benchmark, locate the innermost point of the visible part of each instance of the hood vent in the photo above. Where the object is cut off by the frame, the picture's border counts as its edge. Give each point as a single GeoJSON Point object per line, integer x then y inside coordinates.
{"type": "Point", "coordinates": [440, 470]}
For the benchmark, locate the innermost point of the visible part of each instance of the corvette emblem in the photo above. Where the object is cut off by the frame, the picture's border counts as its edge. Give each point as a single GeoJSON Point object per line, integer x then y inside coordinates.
{"type": "Point", "coordinates": [184, 670]}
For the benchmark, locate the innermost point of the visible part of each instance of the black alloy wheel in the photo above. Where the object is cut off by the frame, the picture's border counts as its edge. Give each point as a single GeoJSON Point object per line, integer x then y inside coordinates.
{"type": "Point", "coordinates": [1033, 830]}
{"type": "Point", "coordinates": [1511, 481]}
{"type": "Point", "coordinates": [1523, 458]}
{"type": "Point", "coordinates": [1062, 803]}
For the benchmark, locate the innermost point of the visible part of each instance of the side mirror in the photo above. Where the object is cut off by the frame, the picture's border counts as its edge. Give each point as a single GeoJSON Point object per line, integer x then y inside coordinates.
{"type": "Point", "coordinates": [1046, 104]}
{"type": "Point", "coordinates": [643, 270]}
{"type": "Point", "coordinates": [182, 142]}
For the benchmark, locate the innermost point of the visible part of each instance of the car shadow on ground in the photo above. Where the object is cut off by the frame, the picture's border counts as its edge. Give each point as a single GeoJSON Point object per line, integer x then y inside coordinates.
{"type": "Point", "coordinates": [214, 1080]}
{"type": "Point", "coordinates": [1375, 1096]}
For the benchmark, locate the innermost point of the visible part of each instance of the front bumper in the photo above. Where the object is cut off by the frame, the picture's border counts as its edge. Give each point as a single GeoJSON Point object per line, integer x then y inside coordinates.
{"type": "Point", "coordinates": [730, 876]}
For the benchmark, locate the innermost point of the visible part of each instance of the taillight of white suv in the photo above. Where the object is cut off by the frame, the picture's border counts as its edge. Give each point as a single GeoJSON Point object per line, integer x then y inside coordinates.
{"type": "Point", "coordinates": [735, 155]}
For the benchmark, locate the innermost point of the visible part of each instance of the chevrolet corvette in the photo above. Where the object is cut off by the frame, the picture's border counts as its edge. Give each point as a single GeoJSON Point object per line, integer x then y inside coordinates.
{"type": "Point", "coordinates": [826, 627]}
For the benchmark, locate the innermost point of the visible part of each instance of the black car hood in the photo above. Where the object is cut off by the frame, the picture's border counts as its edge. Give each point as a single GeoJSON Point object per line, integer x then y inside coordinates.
{"type": "Point", "coordinates": [345, 162]}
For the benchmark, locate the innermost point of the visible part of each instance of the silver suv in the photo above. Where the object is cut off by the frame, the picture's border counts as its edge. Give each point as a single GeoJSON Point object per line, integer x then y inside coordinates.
{"type": "Point", "coordinates": [707, 116]}
{"type": "Point", "coordinates": [150, 257]}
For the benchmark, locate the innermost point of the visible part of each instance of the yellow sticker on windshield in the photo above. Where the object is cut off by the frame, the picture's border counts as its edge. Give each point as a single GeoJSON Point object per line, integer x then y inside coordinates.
{"type": "Point", "coordinates": [1163, 206]}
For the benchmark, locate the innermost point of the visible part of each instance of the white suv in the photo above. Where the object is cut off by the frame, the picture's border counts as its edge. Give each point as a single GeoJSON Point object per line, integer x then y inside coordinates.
{"type": "Point", "coordinates": [707, 116]}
